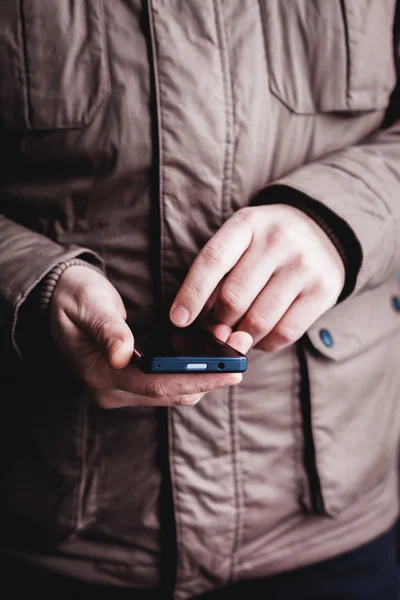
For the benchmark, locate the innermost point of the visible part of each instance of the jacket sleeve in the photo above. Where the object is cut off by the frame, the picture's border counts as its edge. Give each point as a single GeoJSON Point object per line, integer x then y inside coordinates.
{"type": "Point", "coordinates": [361, 187]}
{"type": "Point", "coordinates": [25, 258]}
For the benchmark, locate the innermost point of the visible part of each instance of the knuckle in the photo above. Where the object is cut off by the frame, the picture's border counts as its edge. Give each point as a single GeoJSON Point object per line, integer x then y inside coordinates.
{"type": "Point", "coordinates": [102, 329]}
{"type": "Point", "coordinates": [257, 323]}
{"type": "Point", "coordinates": [97, 330]}
{"type": "Point", "coordinates": [193, 291]}
{"type": "Point", "coordinates": [157, 390]}
{"type": "Point", "coordinates": [213, 254]}
{"type": "Point", "coordinates": [277, 236]}
{"type": "Point", "coordinates": [321, 286]}
{"type": "Point", "coordinates": [186, 400]}
{"type": "Point", "coordinates": [286, 335]}
{"type": "Point", "coordinates": [299, 262]}
{"type": "Point", "coordinates": [230, 299]}
{"type": "Point", "coordinates": [108, 326]}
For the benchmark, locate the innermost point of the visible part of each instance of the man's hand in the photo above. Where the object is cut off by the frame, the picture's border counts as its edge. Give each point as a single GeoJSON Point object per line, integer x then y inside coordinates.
{"type": "Point", "coordinates": [270, 271]}
{"type": "Point", "coordinates": [87, 322]}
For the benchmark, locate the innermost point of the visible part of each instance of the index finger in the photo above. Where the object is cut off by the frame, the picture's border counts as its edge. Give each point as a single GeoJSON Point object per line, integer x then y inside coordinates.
{"type": "Point", "coordinates": [211, 265]}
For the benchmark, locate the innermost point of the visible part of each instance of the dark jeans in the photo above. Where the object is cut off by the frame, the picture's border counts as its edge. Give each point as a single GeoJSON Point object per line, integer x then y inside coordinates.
{"type": "Point", "coordinates": [370, 572]}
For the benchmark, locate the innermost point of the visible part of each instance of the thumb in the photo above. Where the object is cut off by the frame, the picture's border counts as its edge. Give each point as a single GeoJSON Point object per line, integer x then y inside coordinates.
{"type": "Point", "coordinates": [112, 335]}
{"type": "Point", "coordinates": [116, 340]}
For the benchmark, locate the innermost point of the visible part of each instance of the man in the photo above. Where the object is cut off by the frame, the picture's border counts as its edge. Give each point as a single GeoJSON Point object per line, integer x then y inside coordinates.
{"type": "Point", "coordinates": [237, 160]}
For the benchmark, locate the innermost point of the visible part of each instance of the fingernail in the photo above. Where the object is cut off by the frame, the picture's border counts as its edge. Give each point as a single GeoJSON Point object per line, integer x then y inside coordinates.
{"type": "Point", "coordinates": [180, 315]}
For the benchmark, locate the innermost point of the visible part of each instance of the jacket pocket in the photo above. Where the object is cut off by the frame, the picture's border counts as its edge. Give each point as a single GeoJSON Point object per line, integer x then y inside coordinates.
{"type": "Point", "coordinates": [354, 370]}
{"type": "Point", "coordinates": [332, 56]}
{"type": "Point", "coordinates": [53, 71]}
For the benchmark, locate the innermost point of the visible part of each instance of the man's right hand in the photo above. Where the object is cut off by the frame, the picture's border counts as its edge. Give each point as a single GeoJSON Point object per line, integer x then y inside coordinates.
{"type": "Point", "coordinates": [88, 325]}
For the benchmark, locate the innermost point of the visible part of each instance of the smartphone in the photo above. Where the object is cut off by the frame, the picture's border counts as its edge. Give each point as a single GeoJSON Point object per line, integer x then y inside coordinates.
{"type": "Point", "coordinates": [187, 350]}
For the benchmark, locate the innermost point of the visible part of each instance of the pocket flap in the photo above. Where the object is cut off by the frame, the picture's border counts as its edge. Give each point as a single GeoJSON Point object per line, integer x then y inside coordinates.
{"type": "Point", "coordinates": [330, 56]}
{"type": "Point", "coordinates": [358, 323]}
{"type": "Point", "coordinates": [54, 71]}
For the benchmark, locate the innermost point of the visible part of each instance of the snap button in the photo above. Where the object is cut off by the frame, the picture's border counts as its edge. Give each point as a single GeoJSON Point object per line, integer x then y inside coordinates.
{"type": "Point", "coordinates": [396, 303]}
{"type": "Point", "coordinates": [326, 336]}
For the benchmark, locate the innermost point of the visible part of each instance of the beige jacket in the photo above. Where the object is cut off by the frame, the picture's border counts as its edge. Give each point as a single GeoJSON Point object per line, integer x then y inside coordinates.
{"type": "Point", "coordinates": [130, 131]}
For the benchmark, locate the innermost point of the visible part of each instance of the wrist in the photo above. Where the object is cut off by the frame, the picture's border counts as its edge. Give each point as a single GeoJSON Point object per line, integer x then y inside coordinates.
{"type": "Point", "coordinates": [51, 280]}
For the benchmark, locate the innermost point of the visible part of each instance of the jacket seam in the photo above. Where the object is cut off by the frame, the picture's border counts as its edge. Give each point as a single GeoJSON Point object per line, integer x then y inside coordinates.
{"type": "Point", "coordinates": [161, 146]}
{"type": "Point", "coordinates": [237, 480]}
{"type": "Point", "coordinates": [83, 450]}
{"type": "Point", "coordinates": [25, 62]}
{"type": "Point", "coordinates": [229, 112]}
{"type": "Point", "coordinates": [175, 491]}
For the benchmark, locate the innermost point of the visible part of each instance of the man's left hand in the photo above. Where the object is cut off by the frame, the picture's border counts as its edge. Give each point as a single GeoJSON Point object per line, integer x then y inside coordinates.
{"type": "Point", "coordinates": [270, 271]}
